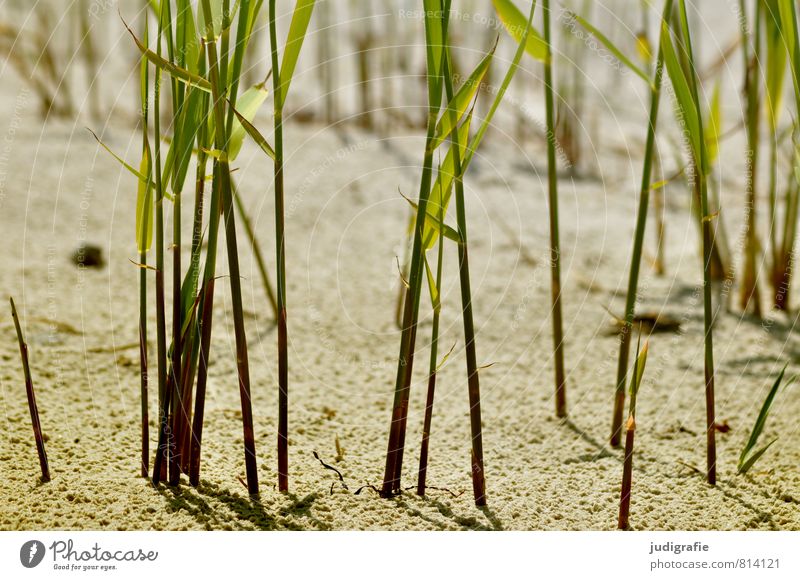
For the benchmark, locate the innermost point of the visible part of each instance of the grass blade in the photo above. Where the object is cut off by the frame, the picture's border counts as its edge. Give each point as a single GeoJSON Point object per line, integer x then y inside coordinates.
{"type": "Point", "coordinates": [294, 42]}
{"type": "Point", "coordinates": [517, 27]}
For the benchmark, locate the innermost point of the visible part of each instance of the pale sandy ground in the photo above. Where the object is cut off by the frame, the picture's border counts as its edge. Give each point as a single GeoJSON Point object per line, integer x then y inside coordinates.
{"type": "Point", "coordinates": [345, 226]}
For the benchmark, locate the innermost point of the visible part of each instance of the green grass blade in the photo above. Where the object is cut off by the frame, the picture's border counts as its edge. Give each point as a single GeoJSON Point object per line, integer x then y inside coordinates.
{"type": "Point", "coordinates": [683, 92]}
{"type": "Point", "coordinates": [498, 98]}
{"type": "Point", "coordinates": [761, 421]}
{"type": "Point", "coordinates": [434, 42]}
{"type": "Point", "coordinates": [432, 286]}
{"type": "Point", "coordinates": [247, 107]}
{"type": "Point", "coordinates": [713, 127]}
{"type": "Point", "coordinates": [144, 206]}
{"type": "Point", "coordinates": [255, 134]}
{"type": "Point", "coordinates": [443, 188]}
{"type": "Point", "coordinates": [611, 47]}
{"type": "Point", "coordinates": [294, 42]}
{"type": "Point", "coordinates": [461, 101]}
{"type": "Point", "coordinates": [515, 24]}
{"type": "Point", "coordinates": [174, 70]}
{"type": "Point", "coordinates": [776, 63]}
{"type": "Point", "coordinates": [745, 464]}
{"type": "Point", "coordinates": [135, 172]}
{"type": "Point", "coordinates": [216, 7]}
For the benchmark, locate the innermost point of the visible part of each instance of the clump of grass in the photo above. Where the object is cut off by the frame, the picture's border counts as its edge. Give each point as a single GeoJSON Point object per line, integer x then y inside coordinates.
{"type": "Point", "coordinates": [34, 410]}
{"type": "Point", "coordinates": [204, 90]}
{"type": "Point", "coordinates": [427, 224]}
{"type": "Point", "coordinates": [685, 83]}
{"type": "Point", "coordinates": [749, 454]}
{"type": "Point", "coordinates": [630, 431]}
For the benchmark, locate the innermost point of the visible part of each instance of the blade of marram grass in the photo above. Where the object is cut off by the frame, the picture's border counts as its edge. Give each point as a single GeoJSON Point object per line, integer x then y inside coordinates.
{"type": "Point", "coordinates": [172, 69]}
{"type": "Point", "coordinates": [748, 456]}
{"type": "Point", "coordinates": [517, 27]}
{"type": "Point", "coordinates": [461, 101]}
{"type": "Point", "coordinates": [294, 42]}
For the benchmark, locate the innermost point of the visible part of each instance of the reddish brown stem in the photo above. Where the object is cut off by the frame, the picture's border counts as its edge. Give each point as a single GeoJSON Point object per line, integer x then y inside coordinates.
{"type": "Point", "coordinates": [34, 410]}
{"type": "Point", "coordinates": [627, 478]}
{"type": "Point", "coordinates": [426, 434]}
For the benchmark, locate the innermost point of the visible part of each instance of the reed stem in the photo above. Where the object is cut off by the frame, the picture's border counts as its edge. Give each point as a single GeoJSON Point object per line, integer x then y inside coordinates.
{"type": "Point", "coordinates": [280, 235]}
{"type": "Point", "coordinates": [164, 435]}
{"type": "Point", "coordinates": [555, 245]}
{"type": "Point", "coordinates": [638, 243]}
{"type": "Point", "coordinates": [701, 185]}
{"type": "Point", "coordinates": [473, 378]}
{"type": "Point", "coordinates": [34, 410]}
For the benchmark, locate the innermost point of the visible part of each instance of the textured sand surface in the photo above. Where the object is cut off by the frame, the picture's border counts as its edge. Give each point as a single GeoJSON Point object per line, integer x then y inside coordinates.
{"type": "Point", "coordinates": [345, 224]}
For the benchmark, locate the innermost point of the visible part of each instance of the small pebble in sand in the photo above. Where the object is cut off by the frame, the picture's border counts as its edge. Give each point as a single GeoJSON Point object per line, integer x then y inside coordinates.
{"type": "Point", "coordinates": [88, 256]}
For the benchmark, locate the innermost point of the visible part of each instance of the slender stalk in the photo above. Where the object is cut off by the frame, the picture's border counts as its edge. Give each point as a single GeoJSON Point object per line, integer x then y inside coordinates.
{"type": "Point", "coordinates": [164, 435]}
{"type": "Point", "coordinates": [259, 256]}
{"type": "Point", "coordinates": [426, 426]}
{"type": "Point", "coordinates": [34, 410]}
{"type": "Point", "coordinates": [555, 249]}
{"type": "Point", "coordinates": [627, 476]}
{"type": "Point", "coordinates": [630, 430]}
{"type": "Point", "coordinates": [708, 245]}
{"type": "Point", "coordinates": [192, 343]}
{"type": "Point", "coordinates": [283, 354]}
{"type": "Point", "coordinates": [405, 363]}
{"type": "Point", "coordinates": [473, 378]}
{"type": "Point", "coordinates": [638, 243]}
{"type": "Point", "coordinates": [178, 412]}
{"type": "Point", "coordinates": [143, 243]}
{"type": "Point", "coordinates": [226, 197]}
{"type": "Point", "coordinates": [749, 297]}
{"type": "Point", "coordinates": [145, 461]}
{"type": "Point", "coordinates": [661, 226]}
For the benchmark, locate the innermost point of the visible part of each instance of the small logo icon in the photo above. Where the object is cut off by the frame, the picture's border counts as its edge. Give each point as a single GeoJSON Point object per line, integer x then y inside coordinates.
{"type": "Point", "coordinates": [31, 553]}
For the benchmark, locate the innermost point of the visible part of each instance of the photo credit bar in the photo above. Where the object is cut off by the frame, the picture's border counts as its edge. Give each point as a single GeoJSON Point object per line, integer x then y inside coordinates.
{"type": "Point", "coordinates": [356, 555]}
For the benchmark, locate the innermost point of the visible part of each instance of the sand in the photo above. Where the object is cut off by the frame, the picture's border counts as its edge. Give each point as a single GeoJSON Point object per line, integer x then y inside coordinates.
{"type": "Point", "coordinates": [345, 225]}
